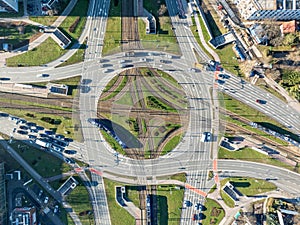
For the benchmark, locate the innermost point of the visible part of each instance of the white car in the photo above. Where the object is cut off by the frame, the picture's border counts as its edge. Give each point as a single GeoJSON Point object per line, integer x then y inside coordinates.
{"type": "Point", "coordinates": [43, 75]}
{"type": "Point", "coordinates": [46, 200]}
{"type": "Point", "coordinates": [55, 209]}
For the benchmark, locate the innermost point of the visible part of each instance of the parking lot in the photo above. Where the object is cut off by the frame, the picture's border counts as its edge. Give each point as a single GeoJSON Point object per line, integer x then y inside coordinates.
{"type": "Point", "coordinates": [37, 136]}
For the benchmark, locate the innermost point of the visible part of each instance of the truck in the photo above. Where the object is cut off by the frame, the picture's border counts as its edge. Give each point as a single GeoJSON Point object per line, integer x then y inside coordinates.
{"type": "Point", "coordinates": [42, 143]}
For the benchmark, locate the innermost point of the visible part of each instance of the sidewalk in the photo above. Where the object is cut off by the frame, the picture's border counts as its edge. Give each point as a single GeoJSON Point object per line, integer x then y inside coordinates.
{"type": "Point", "coordinates": [206, 46]}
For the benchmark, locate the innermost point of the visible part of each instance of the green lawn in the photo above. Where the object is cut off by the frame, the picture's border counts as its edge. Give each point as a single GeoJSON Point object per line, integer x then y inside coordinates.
{"type": "Point", "coordinates": [250, 186]}
{"type": "Point", "coordinates": [213, 212]}
{"type": "Point", "coordinates": [171, 144]}
{"type": "Point", "coordinates": [228, 201]}
{"type": "Point", "coordinates": [164, 39]}
{"type": "Point", "coordinates": [133, 195]}
{"type": "Point", "coordinates": [45, 20]}
{"type": "Point", "coordinates": [118, 215]}
{"type": "Point", "coordinates": [196, 35]}
{"type": "Point", "coordinates": [249, 154]}
{"type": "Point", "coordinates": [44, 163]}
{"type": "Point", "coordinates": [12, 35]}
{"type": "Point", "coordinates": [76, 58]}
{"type": "Point", "coordinates": [76, 18]}
{"type": "Point", "coordinates": [179, 176]}
{"type": "Point", "coordinates": [113, 30]}
{"type": "Point", "coordinates": [80, 202]}
{"type": "Point", "coordinates": [43, 53]}
{"type": "Point", "coordinates": [226, 54]}
{"type": "Point", "coordinates": [169, 203]}
{"type": "Point", "coordinates": [37, 56]}
{"type": "Point", "coordinates": [247, 186]}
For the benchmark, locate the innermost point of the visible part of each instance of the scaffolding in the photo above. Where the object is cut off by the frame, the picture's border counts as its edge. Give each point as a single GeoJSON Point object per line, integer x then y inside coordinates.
{"type": "Point", "coordinates": [2, 196]}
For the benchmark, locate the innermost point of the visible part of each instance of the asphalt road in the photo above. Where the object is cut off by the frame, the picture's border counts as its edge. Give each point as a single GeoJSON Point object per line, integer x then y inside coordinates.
{"type": "Point", "coordinates": [191, 155]}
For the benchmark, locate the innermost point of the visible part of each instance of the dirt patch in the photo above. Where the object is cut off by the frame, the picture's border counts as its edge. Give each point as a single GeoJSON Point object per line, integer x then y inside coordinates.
{"type": "Point", "coordinates": [215, 212]}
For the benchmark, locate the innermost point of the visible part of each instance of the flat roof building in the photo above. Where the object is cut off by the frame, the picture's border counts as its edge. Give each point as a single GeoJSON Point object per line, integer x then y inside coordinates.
{"type": "Point", "coordinates": [9, 6]}
{"type": "Point", "coordinates": [24, 216]}
{"type": "Point", "coordinates": [3, 212]}
{"type": "Point", "coordinates": [281, 10]}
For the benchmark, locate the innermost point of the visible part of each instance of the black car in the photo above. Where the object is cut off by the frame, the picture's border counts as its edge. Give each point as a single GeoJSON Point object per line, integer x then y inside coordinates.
{"type": "Point", "coordinates": [70, 152]}
{"type": "Point", "coordinates": [23, 132]}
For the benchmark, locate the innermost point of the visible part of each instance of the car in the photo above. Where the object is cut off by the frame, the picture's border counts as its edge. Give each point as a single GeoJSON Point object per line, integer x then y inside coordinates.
{"type": "Point", "coordinates": [70, 161]}
{"type": "Point", "coordinates": [223, 76]}
{"type": "Point", "coordinates": [46, 200]}
{"type": "Point", "coordinates": [43, 135]}
{"type": "Point", "coordinates": [31, 124]}
{"type": "Point", "coordinates": [49, 132]}
{"type": "Point", "coordinates": [195, 217]}
{"type": "Point", "coordinates": [34, 131]}
{"type": "Point", "coordinates": [23, 132]}
{"type": "Point", "coordinates": [68, 139]}
{"type": "Point", "coordinates": [40, 193]}
{"type": "Point", "coordinates": [56, 148]}
{"type": "Point", "coordinates": [24, 127]}
{"type": "Point", "coordinates": [208, 136]}
{"type": "Point", "coordinates": [43, 75]}
{"type": "Point", "coordinates": [198, 206]}
{"type": "Point", "coordinates": [192, 70]}
{"type": "Point", "coordinates": [22, 121]}
{"type": "Point", "coordinates": [59, 136]}
{"type": "Point", "coordinates": [31, 136]}
{"type": "Point", "coordinates": [143, 59]}
{"type": "Point", "coordinates": [4, 78]}
{"type": "Point", "coordinates": [55, 210]}
{"type": "Point", "coordinates": [221, 82]}
{"type": "Point", "coordinates": [70, 152]}
{"type": "Point", "coordinates": [187, 203]}
{"type": "Point", "coordinates": [4, 114]}
{"type": "Point", "coordinates": [260, 101]}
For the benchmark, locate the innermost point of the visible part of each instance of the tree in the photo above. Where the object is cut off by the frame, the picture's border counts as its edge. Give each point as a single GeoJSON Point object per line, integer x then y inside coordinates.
{"type": "Point", "coordinates": [291, 39]}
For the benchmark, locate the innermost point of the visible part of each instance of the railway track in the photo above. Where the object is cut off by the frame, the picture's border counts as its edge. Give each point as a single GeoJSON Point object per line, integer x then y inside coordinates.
{"type": "Point", "coordinates": [291, 154]}
{"type": "Point", "coordinates": [129, 25]}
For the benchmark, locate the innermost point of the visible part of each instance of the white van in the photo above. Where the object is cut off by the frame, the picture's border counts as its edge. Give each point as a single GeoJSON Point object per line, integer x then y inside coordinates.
{"type": "Point", "coordinates": [206, 136]}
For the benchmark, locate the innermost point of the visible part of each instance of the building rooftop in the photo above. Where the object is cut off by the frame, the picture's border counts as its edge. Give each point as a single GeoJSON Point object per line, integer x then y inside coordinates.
{"type": "Point", "coordinates": [288, 27]}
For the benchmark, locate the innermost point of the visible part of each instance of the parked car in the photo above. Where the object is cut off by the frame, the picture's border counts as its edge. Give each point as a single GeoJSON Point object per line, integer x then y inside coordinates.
{"type": "Point", "coordinates": [55, 210]}
{"type": "Point", "coordinates": [46, 200]}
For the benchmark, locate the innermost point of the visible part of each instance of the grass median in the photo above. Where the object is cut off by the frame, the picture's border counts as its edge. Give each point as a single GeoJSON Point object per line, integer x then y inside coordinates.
{"type": "Point", "coordinates": [249, 154]}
